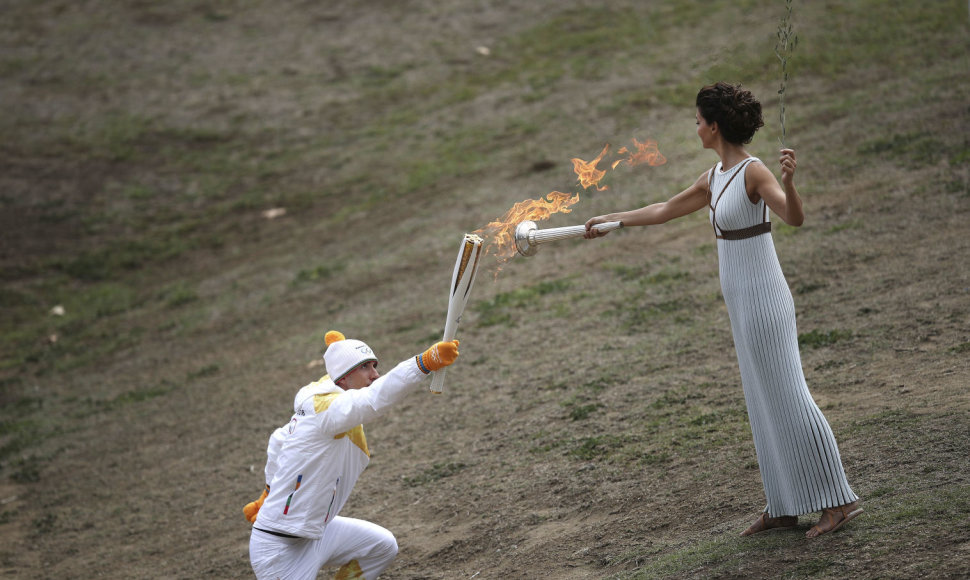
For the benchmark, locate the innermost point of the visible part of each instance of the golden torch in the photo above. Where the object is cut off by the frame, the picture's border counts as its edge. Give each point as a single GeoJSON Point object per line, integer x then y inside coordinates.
{"type": "Point", "coordinates": [466, 267]}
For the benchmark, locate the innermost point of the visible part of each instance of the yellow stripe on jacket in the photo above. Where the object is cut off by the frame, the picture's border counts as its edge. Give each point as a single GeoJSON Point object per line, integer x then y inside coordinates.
{"type": "Point", "coordinates": [322, 402]}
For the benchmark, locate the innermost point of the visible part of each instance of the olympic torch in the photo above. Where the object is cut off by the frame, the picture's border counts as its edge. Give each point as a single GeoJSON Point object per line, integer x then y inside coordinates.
{"type": "Point", "coordinates": [528, 236]}
{"type": "Point", "coordinates": [466, 267]}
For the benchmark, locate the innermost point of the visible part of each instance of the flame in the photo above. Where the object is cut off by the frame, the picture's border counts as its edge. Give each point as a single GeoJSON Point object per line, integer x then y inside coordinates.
{"type": "Point", "coordinates": [647, 152]}
{"type": "Point", "coordinates": [501, 233]}
{"type": "Point", "coordinates": [587, 173]}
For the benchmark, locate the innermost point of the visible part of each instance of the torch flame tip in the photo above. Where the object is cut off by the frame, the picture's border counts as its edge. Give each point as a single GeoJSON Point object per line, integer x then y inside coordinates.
{"type": "Point", "coordinates": [505, 236]}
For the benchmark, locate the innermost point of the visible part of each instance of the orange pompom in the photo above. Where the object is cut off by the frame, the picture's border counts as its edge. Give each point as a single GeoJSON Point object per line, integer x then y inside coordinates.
{"type": "Point", "coordinates": [333, 336]}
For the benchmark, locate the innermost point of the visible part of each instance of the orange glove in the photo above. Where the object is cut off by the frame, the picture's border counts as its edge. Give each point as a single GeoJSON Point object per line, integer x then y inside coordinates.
{"type": "Point", "coordinates": [440, 355]}
{"type": "Point", "coordinates": [252, 508]}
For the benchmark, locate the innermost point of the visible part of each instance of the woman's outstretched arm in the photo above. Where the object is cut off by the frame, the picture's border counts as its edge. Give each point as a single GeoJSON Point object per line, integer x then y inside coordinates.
{"type": "Point", "coordinates": [688, 201]}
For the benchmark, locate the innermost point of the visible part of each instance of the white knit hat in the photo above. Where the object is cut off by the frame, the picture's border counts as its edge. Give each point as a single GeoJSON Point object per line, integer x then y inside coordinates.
{"type": "Point", "coordinates": [343, 355]}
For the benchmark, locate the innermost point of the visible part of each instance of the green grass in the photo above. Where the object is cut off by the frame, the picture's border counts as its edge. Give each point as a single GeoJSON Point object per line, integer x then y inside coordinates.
{"type": "Point", "coordinates": [896, 501]}
{"type": "Point", "coordinates": [113, 137]}
{"type": "Point", "coordinates": [500, 310]}
{"type": "Point", "coordinates": [576, 43]}
{"type": "Point", "coordinates": [123, 256]}
{"type": "Point", "coordinates": [892, 44]}
{"type": "Point", "coordinates": [821, 338]}
{"type": "Point", "coordinates": [579, 410]}
{"type": "Point", "coordinates": [961, 348]}
{"type": "Point", "coordinates": [595, 447]}
{"type": "Point", "coordinates": [318, 273]}
{"type": "Point", "coordinates": [912, 149]}
{"type": "Point", "coordinates": [675, 423]}
{"type": "Point", "coordinates": [435, 473]}
{"type": "Point", "coordinates": [179, 294]}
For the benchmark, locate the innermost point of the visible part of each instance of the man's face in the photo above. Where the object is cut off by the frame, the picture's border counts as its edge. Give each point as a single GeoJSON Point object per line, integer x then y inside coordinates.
{"type": "Point", "coordinates": [360, 377]}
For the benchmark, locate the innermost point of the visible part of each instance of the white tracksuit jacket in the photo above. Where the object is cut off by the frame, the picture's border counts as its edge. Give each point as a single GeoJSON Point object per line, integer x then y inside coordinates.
{"type": "Point", "coordinates": [314, 461]}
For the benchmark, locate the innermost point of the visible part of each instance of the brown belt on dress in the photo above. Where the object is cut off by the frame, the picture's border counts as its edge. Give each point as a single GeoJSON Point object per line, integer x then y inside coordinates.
{"type": "Point", "coordinates": [745, 233]}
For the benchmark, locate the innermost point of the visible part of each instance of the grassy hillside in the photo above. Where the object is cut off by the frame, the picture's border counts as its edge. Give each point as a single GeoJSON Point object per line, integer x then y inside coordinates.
{"type": "Point", "coordinates": [193, 192]}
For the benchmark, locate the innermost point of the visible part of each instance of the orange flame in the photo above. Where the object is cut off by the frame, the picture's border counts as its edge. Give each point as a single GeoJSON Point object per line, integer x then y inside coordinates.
{"type": "Point", "coordinates": [501, 233]}
{"type": "Point", "coordinates": [587, 172]}
{"type": "Point", "coordinates": [647, 152]}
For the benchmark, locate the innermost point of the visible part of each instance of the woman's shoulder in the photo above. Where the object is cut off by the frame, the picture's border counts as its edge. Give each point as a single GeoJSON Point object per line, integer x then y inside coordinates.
{"type": "Point", "coordinates": [756, 176]}
{"type": "Point", "coordinates": [757, 167]}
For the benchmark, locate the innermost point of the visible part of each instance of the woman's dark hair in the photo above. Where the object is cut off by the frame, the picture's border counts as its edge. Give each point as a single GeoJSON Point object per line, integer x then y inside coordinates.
{"type": "Point", "coordinates": [736, 111]}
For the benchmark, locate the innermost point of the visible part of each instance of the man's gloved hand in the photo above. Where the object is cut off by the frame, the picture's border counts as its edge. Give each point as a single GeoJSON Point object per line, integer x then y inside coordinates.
{"type": "Point", "coordinates": [440, 355]}
{"type": "Point", "coordinates": [252, 508]}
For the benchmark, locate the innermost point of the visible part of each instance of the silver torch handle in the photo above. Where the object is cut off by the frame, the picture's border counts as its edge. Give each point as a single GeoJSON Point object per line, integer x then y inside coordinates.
{"type": "Point", "coordinates": [528, 236]}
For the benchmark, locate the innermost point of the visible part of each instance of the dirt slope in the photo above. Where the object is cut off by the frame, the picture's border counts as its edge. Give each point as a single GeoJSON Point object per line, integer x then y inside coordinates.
{"type": "Point", "coordinates": [594, 426]}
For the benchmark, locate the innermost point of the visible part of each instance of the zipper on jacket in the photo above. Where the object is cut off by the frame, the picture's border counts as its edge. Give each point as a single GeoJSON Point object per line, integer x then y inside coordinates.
{"type": "Point", "coordinates": [332, 500]}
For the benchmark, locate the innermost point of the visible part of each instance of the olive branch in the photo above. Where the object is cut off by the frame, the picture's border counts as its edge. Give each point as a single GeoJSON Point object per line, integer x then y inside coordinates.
{"type": "Point", "coordinates": [784, 47]}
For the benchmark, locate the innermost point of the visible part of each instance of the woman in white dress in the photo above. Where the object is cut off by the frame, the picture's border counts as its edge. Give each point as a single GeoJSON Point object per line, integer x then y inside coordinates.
{"type": "Point", "coordinates": [797, 454]}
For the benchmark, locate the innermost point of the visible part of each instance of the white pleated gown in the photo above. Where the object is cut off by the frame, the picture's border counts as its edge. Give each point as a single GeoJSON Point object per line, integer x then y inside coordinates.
{"type": "Point", "coordinates": [799, 459]}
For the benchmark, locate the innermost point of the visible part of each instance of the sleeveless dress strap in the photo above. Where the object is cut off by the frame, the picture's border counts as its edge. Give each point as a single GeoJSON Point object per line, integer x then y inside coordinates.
{"type": "Point", "coordinates": [720, 195]}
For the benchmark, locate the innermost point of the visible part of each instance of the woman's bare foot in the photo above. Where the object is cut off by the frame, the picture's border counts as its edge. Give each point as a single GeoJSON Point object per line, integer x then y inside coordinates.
{"type": "Point", "coordinates": [766, 522]}
{"type": "Point", "coordinates": [834, 518]}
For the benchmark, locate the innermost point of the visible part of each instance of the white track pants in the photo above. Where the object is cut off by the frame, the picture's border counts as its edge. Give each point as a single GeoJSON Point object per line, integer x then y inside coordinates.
{"type": "Point", "coordinates": [361, 549]}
